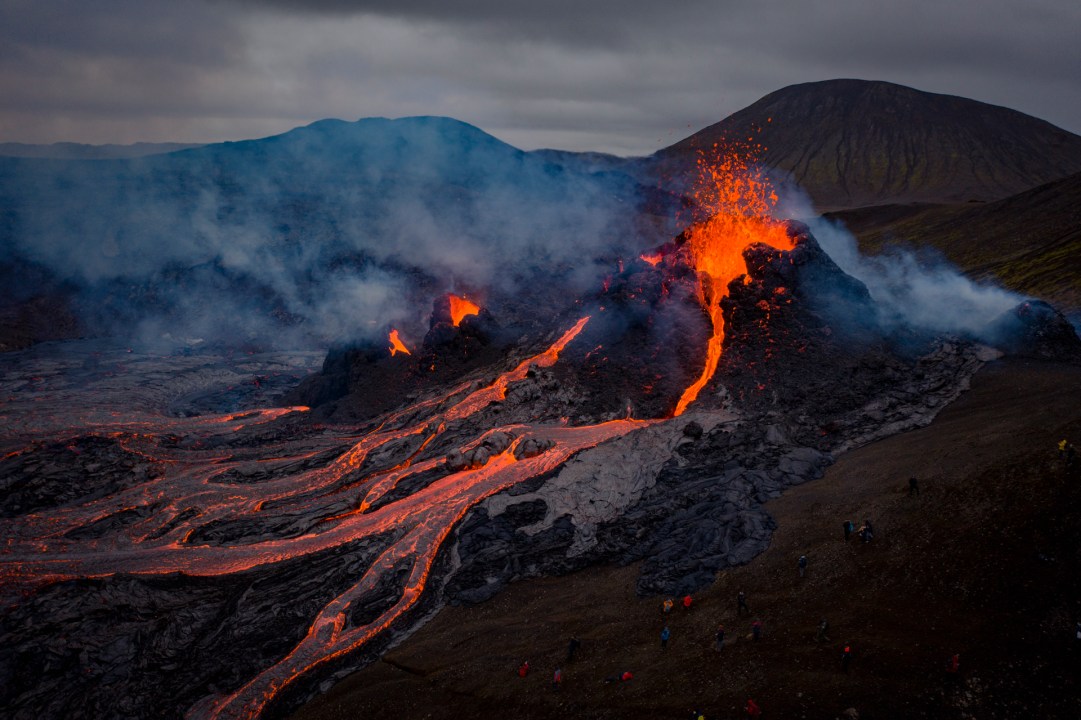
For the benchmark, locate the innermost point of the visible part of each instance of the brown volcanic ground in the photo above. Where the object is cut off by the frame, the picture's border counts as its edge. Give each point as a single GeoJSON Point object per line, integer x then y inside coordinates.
{"type": "Point", "coordinates": [852, 143]}
{"type": "Point", "coordinates": [985, 563]}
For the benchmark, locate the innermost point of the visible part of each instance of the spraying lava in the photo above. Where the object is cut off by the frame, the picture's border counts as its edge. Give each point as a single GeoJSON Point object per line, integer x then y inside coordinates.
{"type": "Point", "coordinates": [396, 344]}
{"type": "Point", "coordinates": [740, 201]}
{"type": "Point", "coordinates": [460, 308]}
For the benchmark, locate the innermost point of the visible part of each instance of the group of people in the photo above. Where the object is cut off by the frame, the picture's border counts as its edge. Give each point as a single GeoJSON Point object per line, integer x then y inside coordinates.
{"type": "Point", "coordinates": [866, 531]}
{"type": "Point", "coordinates": [751, 708]}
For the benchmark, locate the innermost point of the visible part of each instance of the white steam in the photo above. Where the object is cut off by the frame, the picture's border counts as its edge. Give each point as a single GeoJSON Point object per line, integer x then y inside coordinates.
{"type": "Point", "coordinates": [921, 291]}
{"type": "Point", "coordinates": [925, 292]}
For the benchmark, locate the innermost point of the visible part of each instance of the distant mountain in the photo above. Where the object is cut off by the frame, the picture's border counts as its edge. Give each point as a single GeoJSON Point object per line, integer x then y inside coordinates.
{"type": "Point", "coordinates": [852, 143]}
{"type": "Point", "coordinates": [1030, 242]}
{"type": "Point", "coordinates": [80, 151]}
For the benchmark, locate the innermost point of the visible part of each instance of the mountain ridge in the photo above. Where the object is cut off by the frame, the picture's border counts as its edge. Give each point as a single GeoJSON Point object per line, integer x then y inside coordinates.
{"type": "Point", "coordinates": [852, 143]}
{"type": "Point", "coordinates": [85, 151]}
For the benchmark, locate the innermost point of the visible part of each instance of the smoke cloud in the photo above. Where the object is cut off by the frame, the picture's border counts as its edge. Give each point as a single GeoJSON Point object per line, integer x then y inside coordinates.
{"type": "Point", "coordinates": [917, 290]}
{"type": "Point", "coordinates": [327, 233]}
{"type": "Point", "coordinates": [922, 292]}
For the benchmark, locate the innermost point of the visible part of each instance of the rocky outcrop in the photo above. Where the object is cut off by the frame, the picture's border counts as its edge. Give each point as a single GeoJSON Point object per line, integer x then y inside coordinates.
{"type": "Point", "coordinates": [1035, 329]}
{"type": "Point", "coordinates": [363, 379]}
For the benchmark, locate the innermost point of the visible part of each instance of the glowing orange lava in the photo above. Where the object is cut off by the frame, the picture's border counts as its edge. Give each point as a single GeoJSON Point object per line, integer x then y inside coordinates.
{"type": "Point", "coordinates": [651, 258]}
{"type": "Point", "coordinates": [460, 308]}
{"type": "Point", "coordinates": [193, 492]}
{"type": "Point", "coordinates": [740, 200]}
{"type": "Point", "coordinates": [396, 344]}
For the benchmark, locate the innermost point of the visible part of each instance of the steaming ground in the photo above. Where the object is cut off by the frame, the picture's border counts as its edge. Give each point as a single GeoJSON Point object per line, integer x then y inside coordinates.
{"type": "Point", "coordinates": [983, 563]}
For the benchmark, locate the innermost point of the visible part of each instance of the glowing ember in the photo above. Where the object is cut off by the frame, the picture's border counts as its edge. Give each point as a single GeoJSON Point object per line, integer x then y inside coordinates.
{"type": "Point", "coordinates": [651, 258]}
{"type": "Point", "coordinates": [396, 344]}
{"type": "Point", "coordinates": [740, 200]}
{"type": "Point", "coordinates": [460, 308]}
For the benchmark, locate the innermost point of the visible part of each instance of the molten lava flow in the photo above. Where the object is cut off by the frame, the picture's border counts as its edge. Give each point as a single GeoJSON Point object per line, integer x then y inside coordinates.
{"type": "Point", "coordinates": [740, 200]}
{"type": "Point", "coordinates": [396, 344]}
{"type": "Point", "coordinates": [460, 308]}
{"type": "Point", "coordinates": [651, 258]}
{"type": "Point", "coordinates": [193, 492]}
{"type": "Point", "coordinates": [498, 390]}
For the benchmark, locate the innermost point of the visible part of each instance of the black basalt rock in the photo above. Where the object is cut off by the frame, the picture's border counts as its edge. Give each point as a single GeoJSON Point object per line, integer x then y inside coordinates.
{"type": "Point", "coordinates": [799, 331]}
{"type": "Point", "coordinates": [1035, 329]}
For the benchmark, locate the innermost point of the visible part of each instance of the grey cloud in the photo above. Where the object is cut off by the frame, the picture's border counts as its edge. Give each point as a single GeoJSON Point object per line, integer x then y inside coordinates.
{"type": "Point", "coordinates": [622, 75]}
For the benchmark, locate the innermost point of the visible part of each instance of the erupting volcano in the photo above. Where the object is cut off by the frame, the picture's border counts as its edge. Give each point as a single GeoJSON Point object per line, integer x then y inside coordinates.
{"type": "Point", "coordinates": [258, 553]}
{"type": "Point", "coordinates": [739, 200]}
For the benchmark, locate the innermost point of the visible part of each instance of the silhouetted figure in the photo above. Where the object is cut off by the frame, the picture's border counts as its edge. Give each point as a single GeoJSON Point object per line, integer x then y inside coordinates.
{"type": "Point", "coordinates": [572, 648]}
{"type": "Point", "coordinates": [953, 665]}
{"type": "Point", "coordinates": [913, 487]}
{"type": "Point", "coordinates": [756, 630]}
{"type": "Point", "coordinates": [720, 637]}
{"type": "Point", "coordinates": [823, 628]}
{"type": "Point", "coordinates": [752, 709]}
{"type": "Point", "coordinates": [665, 634]}
{"type": "Point", "coordinates": [846, 658]}
{"type": "Point", "coordinates": [667, 605]}
{"type": "Point", "coordinates": [557, 679]}
{"type": "Point", "coordinates": [523, 669]}
{"type": "Point", "coordinates": [848, 527]}
{"type": "Point", "coordinates": [687, 602]}
{"type": "Point", "coordinates": [802, 564]}
{"type": "Point", "coordinates": [741, 604]}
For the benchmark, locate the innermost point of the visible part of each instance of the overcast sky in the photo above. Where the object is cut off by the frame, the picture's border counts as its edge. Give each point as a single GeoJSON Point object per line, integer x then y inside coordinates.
{"type": "Point", "coordinates": [623, 76]}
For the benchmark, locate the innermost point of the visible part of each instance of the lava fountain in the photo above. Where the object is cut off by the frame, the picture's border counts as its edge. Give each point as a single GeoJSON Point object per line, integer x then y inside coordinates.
{"type": "Point", "coordinates": [740, 200]}
{"type": "Point", "coordinates": [460, 308]}
{"type": "Point", "coordinates": [396, 344]}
